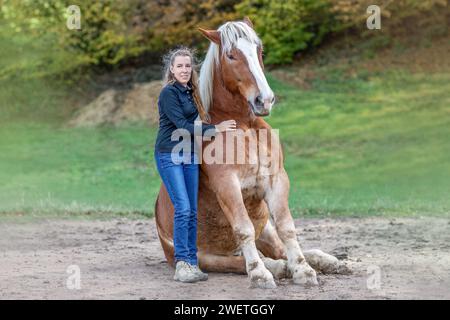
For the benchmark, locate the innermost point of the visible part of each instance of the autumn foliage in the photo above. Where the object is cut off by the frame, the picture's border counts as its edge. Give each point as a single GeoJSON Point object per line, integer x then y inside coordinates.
{"type": "Point", "coordinates": [114, 31]}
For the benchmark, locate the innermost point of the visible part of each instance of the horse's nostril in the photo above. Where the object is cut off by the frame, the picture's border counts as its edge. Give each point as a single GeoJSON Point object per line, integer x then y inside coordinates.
{"type": "Point", "coordinates": [273, 100]}
{"type": "Point", "coordinates": [259, 100]}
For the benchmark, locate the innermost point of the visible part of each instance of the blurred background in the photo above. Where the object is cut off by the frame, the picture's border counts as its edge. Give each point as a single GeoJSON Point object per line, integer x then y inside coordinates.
{"type": "Point", "coordinates": [363, 115]}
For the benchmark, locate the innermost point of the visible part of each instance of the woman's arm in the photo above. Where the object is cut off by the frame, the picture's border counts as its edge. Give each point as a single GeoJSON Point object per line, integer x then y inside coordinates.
{"type": "Point", "coordinates": [171, 106]}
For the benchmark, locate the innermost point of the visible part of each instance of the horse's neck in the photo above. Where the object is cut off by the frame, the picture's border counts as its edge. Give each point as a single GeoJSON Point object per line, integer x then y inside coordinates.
{"type": "Point", "coordinates": [227, 106]}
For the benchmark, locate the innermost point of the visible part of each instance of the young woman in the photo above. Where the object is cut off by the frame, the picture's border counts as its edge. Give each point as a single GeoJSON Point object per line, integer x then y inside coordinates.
{"type": "Point", "coordinates": [179, 106]}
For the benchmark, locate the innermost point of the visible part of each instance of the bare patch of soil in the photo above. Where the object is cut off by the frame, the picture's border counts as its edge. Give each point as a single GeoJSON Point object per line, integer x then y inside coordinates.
{"type": "Point", "coordinates": [117, 106]}
{"type": "Point", "coordinates": [122, 259]}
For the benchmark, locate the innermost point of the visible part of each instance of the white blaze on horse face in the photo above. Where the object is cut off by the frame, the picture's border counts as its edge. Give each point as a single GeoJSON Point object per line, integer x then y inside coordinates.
{"type": "Point", "coordinates": [251, 53]}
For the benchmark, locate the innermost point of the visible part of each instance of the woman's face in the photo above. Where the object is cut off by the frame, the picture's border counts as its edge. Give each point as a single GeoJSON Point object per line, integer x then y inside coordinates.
{"type": "Point", "coordinates": [182, 69]}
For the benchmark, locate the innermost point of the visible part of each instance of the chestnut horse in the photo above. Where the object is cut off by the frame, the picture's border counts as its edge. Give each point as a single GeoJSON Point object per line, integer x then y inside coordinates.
{"type": "Point", "coordinates": [244, 221]}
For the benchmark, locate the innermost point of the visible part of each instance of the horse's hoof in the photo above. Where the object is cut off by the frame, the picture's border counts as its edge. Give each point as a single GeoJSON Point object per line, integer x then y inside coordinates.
{"type": "Point", "coordinates": [262, 279]}
{"type": "Point", "coordinates": [278, 268]}
{"type": "Point", "coordinates": [303, 274]}
{"type": "Point", "coordinates": [325, 263]}
{"type": "Point", "coordinates": [343, 269]}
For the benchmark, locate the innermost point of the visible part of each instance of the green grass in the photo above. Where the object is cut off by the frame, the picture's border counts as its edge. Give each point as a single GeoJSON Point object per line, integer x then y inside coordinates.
{"type": "Point", "coordinates": [48, 169]}
{"type": "Point", "coordinates": [368, 144]}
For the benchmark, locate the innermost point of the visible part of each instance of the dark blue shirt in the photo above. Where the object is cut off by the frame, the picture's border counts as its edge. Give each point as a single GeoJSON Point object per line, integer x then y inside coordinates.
{"type": "Point", "coordinates": [177, 110]}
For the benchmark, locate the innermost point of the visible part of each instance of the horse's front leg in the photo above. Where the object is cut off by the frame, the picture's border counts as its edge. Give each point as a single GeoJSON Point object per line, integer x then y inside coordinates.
{"type": "Point", "coordinates": [277, 201]}
{"type": "Point", "coordinates": [230, 199]}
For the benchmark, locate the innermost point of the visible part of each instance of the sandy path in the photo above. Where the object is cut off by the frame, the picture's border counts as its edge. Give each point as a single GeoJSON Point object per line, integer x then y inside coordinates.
{"type": "Point", "coordinates": [122, 259]}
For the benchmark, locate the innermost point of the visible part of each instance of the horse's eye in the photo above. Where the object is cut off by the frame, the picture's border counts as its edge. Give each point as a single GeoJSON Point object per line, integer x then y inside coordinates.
{"type": "Point", "coordinates": [231, 57]}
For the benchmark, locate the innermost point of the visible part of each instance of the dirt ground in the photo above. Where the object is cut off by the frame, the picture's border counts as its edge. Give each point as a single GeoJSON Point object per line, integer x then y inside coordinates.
{"type": "Point", "coordinates": [400, 258]}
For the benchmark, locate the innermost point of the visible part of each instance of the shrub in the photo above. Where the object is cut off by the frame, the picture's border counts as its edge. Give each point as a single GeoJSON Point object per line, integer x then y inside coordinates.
{"type": "Point", "coordinates": [289, 26]}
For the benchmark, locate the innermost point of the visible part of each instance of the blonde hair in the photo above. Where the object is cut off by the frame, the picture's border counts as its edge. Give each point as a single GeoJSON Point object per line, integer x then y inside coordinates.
{"type": "Point", "coordinates": [169, 77]}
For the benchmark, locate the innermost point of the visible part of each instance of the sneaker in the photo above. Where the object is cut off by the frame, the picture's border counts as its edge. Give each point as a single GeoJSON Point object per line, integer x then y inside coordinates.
{"type": "Point", "coordinates": [201, 275]}
{"type": "Point", "coordinates": [185, 273]}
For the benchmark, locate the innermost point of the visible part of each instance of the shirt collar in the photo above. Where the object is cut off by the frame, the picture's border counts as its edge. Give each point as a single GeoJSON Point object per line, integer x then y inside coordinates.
{"type": "Point", "coordinates": [180, 87]}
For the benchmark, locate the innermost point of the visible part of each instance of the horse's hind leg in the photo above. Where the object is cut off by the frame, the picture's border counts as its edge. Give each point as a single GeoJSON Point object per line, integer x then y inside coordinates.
{"type": "Point", "coordinates": [271, 246]}
{"type": "Point", "coordinates": [272, 249]}
{"type": "Point", "coordinates": [278, 268]}
{"type": "Point", "coordinates": [325, 262]}
{"type": "Point", "coordinates": [218, 263]}
{"type": "Point", "coordinates": [236, 264]}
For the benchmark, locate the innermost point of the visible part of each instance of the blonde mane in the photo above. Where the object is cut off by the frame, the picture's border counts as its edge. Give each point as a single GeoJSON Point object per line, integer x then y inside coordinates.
{"type": "Point", "coordinates": [230, 32]}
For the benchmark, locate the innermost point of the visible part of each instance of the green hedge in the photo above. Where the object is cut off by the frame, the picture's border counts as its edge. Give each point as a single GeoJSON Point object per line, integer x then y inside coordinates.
{"type": "Point", "coordinates": [289, 26]}
{"type": "Point", "coordinates": [115, 31]}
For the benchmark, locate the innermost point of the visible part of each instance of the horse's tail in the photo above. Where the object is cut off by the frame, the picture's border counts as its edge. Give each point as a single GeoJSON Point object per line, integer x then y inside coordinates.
{"type": "Point", "coordinates": [164, 236]}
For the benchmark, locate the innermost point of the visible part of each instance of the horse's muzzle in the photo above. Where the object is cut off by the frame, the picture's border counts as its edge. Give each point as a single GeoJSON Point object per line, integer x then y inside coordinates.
{"type": "Point", "coordinates": [262, 107]}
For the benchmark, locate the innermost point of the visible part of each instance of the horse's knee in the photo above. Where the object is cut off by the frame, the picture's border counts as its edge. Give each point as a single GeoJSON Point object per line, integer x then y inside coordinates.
{"type": "Point", "coordinates": [285, 232]}
{"type": "Point", "coordinates": [244, 234]}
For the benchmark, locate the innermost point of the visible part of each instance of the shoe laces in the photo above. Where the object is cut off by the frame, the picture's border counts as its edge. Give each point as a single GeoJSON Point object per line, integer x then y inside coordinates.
{"type": "Point", "coordinates": [192, 267]}
{"type": "Point", "coordinates": [189, 266]}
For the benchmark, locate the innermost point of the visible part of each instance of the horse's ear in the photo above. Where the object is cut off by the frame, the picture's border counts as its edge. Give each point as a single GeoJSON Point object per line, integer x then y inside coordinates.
{"type": "Point", "coordinates": [248, 22]}
{"type": "Point", "coordinates": [212, 35]}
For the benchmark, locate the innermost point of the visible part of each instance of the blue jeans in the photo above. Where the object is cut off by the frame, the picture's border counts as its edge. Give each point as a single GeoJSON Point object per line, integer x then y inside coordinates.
{"type": "Point", "coordinates": [180, 175]}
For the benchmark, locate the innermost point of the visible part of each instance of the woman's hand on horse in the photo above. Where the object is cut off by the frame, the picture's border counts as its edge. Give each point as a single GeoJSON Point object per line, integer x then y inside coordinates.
{"type": "Point", "coordinates": [227, 125]}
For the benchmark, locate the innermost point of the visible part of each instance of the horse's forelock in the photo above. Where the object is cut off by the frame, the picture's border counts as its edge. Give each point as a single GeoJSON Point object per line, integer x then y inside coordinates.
{"type": "Point", "coordinates": [230, 32]}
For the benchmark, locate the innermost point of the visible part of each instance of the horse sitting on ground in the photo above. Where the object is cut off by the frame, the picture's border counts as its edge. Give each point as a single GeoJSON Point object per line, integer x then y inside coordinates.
{"type": "Point", "coordinates": [244, 221]}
